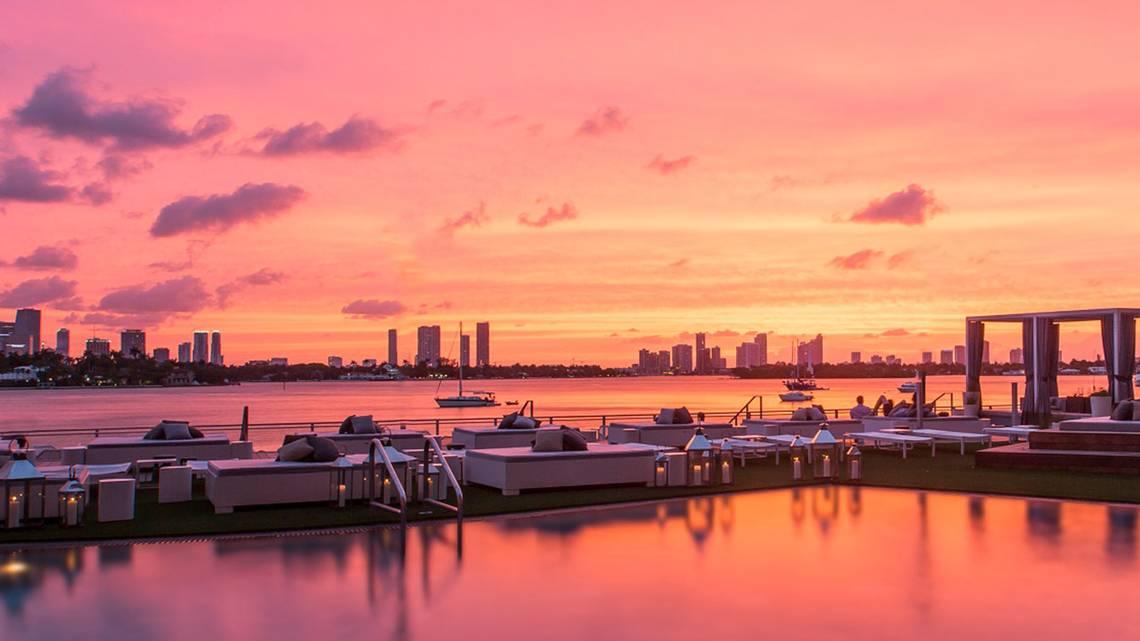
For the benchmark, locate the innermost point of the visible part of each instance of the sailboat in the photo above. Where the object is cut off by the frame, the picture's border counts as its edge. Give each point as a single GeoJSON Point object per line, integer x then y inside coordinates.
{"type": "Point", "coordinates": [472, 398]}
{"type": "Point", "coordinates": [799, 383]}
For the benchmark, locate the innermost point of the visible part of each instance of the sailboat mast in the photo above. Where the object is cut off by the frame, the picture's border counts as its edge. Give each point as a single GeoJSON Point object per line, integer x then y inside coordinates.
{"type": "Point", "coordinates": [461, 358]}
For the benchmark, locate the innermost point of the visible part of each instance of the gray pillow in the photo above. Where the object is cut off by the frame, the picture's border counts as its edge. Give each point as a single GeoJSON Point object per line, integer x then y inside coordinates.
{"type": "Point", "coordinates": [573, 440]}
{"type": "Point", "coordinates": [156, 433]}
{"type": "Point", "coordinates": [816, 414]}
{"type": "Point", "coordinates": [681, 416]}
{"type": "Point", "coordinates": [508, 421]}
{"type": "Point", "coordinates": [324, 449]}
{"type": "Point", "coordinates": [298, 450]}
{"type": "Point", "coordinates": [664, 417]}
{"type": "Point", "coordinates": [524, 423]}
{"type": "Point", "coordinates": [177, 431]}
{"type": "Point", "coordinates": [548, 441]}
{"type": "Point", "coordinates": [801, 414]}
{"type": "Point", "coordinates": [1122, 412]}
{"type": "Point", "coordinates": [363, 425]}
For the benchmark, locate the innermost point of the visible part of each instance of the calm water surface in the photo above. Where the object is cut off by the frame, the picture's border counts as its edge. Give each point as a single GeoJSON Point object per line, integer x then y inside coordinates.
{"type": "Point", "coordinates": [819, 563]}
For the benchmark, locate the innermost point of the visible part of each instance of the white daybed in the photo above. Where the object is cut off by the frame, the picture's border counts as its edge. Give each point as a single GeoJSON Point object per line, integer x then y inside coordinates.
{"type": "Point", "coordinates": [1013, 432]}
{"type": "Point", "coordinates": [891, 440]}
{"type": "Point", "coordinates": [478, 438]}
{"type": "Point", "coordinates": [961, 438]}
{"type": "Point", "coordinates": [513, 469]}
{"type": "Point", "coordinates": [108, 450]}
{"type": "Point", "coordinates": [1098, 424]}
{"type": "Point", "coordinates": [775, 427]}
{"type": "Point", "coordinates": [667, 434]}
{"type": "Point", "coordinates": [945, 423]}
{"type": "Point", "coordinates": [359, 443]}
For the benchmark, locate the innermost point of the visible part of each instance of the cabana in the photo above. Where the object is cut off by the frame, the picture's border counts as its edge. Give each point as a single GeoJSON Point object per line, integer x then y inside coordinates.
{"type": "Point", "coordinates": [1040, 338]}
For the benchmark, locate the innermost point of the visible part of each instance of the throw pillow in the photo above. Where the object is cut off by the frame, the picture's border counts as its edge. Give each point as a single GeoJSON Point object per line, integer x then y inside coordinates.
{"type": "Point", "coordinates": [177, 431]}
{"type": "Point", "coordinates": [681, 416]}
{"type": "Point", "coordinates": [346, 426]}
{"type": "Point", "coordinates": [508, 421]}
{"type": "Point", "coordinates": [547, 441]}
{"type": "Point", "coordinates": [298, 450]}
{"type": "Point", "coordinates": [573, 440]}
{"type": "Point", "coordinates": [156, 433]}
{"type": "Point", "coordinates": [324, 449]}
{"type": "Point", "coordinates": [196, 433]}
{"type": "Point", "coordinates": [524, 423]}
{"type": "Point", "coordinates": [1123, 411]}
{"type": "Point", "coordinates": [363, 425]}
{"type": "Point", "coordinates": [664, 417]}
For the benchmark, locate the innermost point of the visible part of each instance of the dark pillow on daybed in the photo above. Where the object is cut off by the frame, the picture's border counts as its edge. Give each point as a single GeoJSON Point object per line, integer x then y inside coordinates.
{"type": "Point", "coordinates": [1123, 411]}
{"type": "Point", "coordinates": [681, 416]}
{"type": "Point", "coordinates": [196, 433]}
{"type": "Point", "coordinates": [508, 421]}
{"type": "Point", "coordinates": [524, 423]}
{"type": "Point", "coordinates": [572, 440]}
{"type": "Point", "coordinates": [295, 451]}
{"type": "Point", "coordinates": [346, 425]}
{"type": "Point", "coordinates": [156, 433]}
{"type": "Point", "coordinates": [324, 449]}
{"type": "Point", "coordinates": [177, 431]}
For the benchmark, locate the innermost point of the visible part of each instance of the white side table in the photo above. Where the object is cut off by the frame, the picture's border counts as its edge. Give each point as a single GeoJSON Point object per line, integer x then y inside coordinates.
{"type": "Point", "coordinates": [116, 500]}
{"type": "Point", "coordinates": [174, 483]}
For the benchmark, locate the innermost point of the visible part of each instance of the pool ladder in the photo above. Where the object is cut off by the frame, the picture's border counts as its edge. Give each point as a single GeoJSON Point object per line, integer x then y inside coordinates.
{"type": "Point", "coordinates": [433, 454]}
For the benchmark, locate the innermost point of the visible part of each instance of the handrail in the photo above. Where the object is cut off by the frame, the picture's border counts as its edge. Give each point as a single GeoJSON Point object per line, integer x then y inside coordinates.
{"type": "Point", "coordinates": [745, 410]}
{"type": "Point", "coordinates": [530, 404]}
{"type": "Point", "coordinates": [458, 507]}
{"type": "Point", "coordinates": [373, 447]}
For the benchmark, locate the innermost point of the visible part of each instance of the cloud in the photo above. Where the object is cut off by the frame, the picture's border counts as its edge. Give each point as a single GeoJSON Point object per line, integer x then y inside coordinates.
{"type": "Point", "coordinates": [260, 278]}
{"type": "Point", "coordinates": [21, 179]}
{"type": "Point", "coordinates": [96, 194]}
{"type": "Point", "coordinates": [355, 136]}
{"type": "Point", "coordinates": [901, 259]}
{"type": "Point", "coordinates": [679, 263]}
{"type": "Point", "coordinates": [725, 333]}
{"type": "Point", "coordinates": [39, 291]}
{"type": "Point", "coordinates": [116, 166]}
{"type": "Point", "coordinates": [373, 308]}
{"type": "Point", "coordinates": [894, 332]}
{"type": "Point", "coordinates": [859, 260]}
{"type": "Point", "coordinates": [470, 218]}
{"type": "Point", "coordinates": [666, 167]}
{"type": "Point", "coordinates": [179, 295]}
{"type": "Point", "coordinates": [62, 107]}
{"type": "Point", "coordinates": [553, 214]}
{"type": "Point", "coordinates": [910, 206]}
{"type": "Point", "coordinates": [45, 257]}
{"type": "Point", "coordinates": [604, 121]}
{"type": "Point", "coordinates": [219, 212]}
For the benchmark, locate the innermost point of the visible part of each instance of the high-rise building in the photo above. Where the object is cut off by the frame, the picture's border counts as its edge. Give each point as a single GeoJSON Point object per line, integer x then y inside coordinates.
{"type": "Point", "coordinates": [663, 359]}
{"type": "Point", "coordinates": [216, 357]}
{"type": "Point", "coordinates": [161, 354]}
{"type": "Point", "coordinates": [810, 352]}
{"type": "Point", "coordinates": [761, 341]}
{"type": "Point", "coordinates": [465, 350]}
{"type": "Point", "coordinates": [98, 347]}
{"type": "Point", "coordinates": [960, 354]}
{"type": "Point", "coordinates": [856, 357]}
{"type": "Point", "coordinates": [750, 355]}
{"type": "Point", "coordinates": [184, 352]}
{"type": "Point", "coordinates": [683, 358]}
{"type": "Point", "coordinates": [132, 343]}
{"type": "Point", "coordinates": [336, 361]}
{"type": "Point", "coordinates": [946, 357]}
{"type": "Point", "coordinates": [393, 353]}
{"type": "Point", "coordinates": [985, 351]}
{"type": "Point", "coordinates": [1017, 356]}
{"type": "Point", "coordinates": [6, 330]}
{"type": "Point", "coordinates": [648, 362]}
{"type": "Point", "coordinates": [482, 344]}
{"type": "Point", "coordinates": [63, 342]}
{"type": "Point", "coordinates": [927, 358]}
{"type": "Point", "coordinates": [201, 347]}
{"type": "Point", "coordinates": [427, 345]}
{"type": "Point", "coordinates": [27, 329]}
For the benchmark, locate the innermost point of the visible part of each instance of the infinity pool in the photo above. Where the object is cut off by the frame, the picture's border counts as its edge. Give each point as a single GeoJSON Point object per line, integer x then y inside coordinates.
{"type": "Point", "coordinates": [820, 563]}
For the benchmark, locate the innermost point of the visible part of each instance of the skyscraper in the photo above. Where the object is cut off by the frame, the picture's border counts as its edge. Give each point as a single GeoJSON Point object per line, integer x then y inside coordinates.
{"type": "Point", "coordinates": [683, 358]}
{"type": "Point", "coordinates": [427, 345]}
{"type": "Point", "coordinates": [161, 354]}
{"type": "Point", "coordinates": [201, 347]}
{"type": "Point", "coordinates": [856, 357]}
{"type": "Point", "coordinates": [393, 353]}
{"type": "Point", "coordinates": [465, 350]}
{"type": "Point", "coordinates": [985, 351]}
{"type": "Point", "coordinates": [810, 352]}
{"type": "Point", "coordinates": [63, 342]}
{"type": "Point", "coordinates": [27, 329]}
{"type": "Point", "coordinates": [184, 352]}
{"type": "Point", "coordinates": [482, 344]}
{"type": "Point", "coordinates": [336, 362]}
{"type": "Point", "coordinates": [701, 352]}
{"type": "Point", "coordinates": [98, 347]}
{"type": "Point", "coordinates": [761, 341]}
{"type": "Point", "coordinates": [927, 358]}
{"type": "Point", "coordinates": [1017, 356]}
{"type": "Point", "coordinates": [216, 357]}
{"type": "Point", "coordinates": [947, 357]}
{"type": "Point", "coordinates": [132, 343]}
{"type": "Point", "coordinates": [960, 354]}
{"type": "Point", "coordinates": [750, 355]}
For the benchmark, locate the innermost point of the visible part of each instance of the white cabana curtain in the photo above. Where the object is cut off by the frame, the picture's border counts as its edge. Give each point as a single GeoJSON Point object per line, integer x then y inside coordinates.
{"type": "Point", "coordinates": [1119, 373]}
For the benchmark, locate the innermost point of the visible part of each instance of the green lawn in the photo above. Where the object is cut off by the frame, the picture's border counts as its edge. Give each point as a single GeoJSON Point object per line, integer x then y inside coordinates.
{"type": "Point", "coordinates": [948, 471]}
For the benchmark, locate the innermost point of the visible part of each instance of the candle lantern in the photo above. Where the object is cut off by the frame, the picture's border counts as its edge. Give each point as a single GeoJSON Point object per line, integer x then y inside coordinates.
{"type": "Point", "coordinates": [700, 458]}
{"type": "Point", "coordinates": [796, 450]}
{"type": "Point", "coordinates": [825, 452]}
{"type": "Point", "coordinates": [660, 470]}
{"type": "Point", "coordinates": [854, 464]}
{"type": "Point", "coordinates": [727, 472]}
{"type": "Point", "coordinates": [72, 501]}
{"type": "Point", "coordinates": [24, 486]}
{"type": "Point", "coordinates": [340, 478]}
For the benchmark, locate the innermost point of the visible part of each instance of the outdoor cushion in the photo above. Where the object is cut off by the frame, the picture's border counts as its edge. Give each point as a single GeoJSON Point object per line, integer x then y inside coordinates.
{"type": "Point", "coordinates": [1123, 411]}
{"type": "Point", "coordinates": [363, 425]}
{"type": "Point", "coordinates": [816, 414]}
{"type": "Point", "coordinates": [664, 417]}
{"type": "Point", "coordinates": [524, 423]}
{"type": "Point", "coordinates": [324, 449]}
{"type": "Point", "coordinates": [547, 441]}
{"type": "Point", "coordinates": [196, 433]}
{"type": "Point", "coordinates": [156, 433]}
{"type": "Point", "coordinates": [508, 421]}
{"type": "Point", "coordinates": [681, 416]}
{"type": "Point", "coordinates": [572, 440]}
{"type": "Point", "coordinates": [177, 431]}
{"type": "Point", "coordinates": [346, 425]}
{"type": "Point", "coordinates": [801, 414]}
{"type": "Point", "coordinates": [298, 450]}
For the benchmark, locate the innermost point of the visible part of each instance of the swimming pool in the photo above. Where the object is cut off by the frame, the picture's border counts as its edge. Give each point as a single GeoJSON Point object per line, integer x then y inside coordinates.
{"type": "Point", "coordinates": [812, 563]}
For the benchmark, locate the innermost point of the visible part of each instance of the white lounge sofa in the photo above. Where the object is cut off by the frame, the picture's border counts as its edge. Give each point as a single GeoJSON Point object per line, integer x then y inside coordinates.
{"type": "Point", "coordinates": [359, 443]}
{"type": "Point", "coordinates": [479, 438]}
{"type": "Point", "coordinates": [236, 483]}
{"type": "Point", "coordinates": [668, 435]}
{"type": "Point", "coordinates": [969, 424]}
{"type": "Point", "coordinates": [107, 450]}
{"type": "Point", "coordinates": [513, 469]}
{"type": "Point", "coordinates": [1098, 424]}
{"type": "Point", "coordinates": [772, 427]}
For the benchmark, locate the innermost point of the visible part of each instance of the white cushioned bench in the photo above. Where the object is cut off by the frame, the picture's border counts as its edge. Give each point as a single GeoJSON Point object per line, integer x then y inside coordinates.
{"type": "Point", "coordinates": [668, 434]}
{"type": "Point", "coordinates": [107, 450]}
{"type": "Point", "coordinates": [513, 469]}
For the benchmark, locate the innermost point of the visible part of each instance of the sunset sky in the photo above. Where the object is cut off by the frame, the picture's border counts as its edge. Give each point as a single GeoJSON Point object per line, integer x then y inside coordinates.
{"type": "Point", "coordinates": [589, 178]}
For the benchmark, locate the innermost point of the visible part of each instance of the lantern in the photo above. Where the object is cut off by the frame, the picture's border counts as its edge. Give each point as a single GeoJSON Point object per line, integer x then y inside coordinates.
{"type": "Point", "coordinates": [725, 463]}
{"type": "Point", "coordinates": [796, 450]}
{"type": "Point", "coordinates": [699, 458]}
{"type": "Point", "coordinates": [341, 468]}
{"type": "Point", "coordinates": [72, 501]}
{"type": "Point", "coordinates": [825, 452]}
{"type": "Point", "coordinates": [854, 464]}
{"type": "Point", "coordinates": [23, 485]}
{"type": "Point", "coordinates": [660, 472]}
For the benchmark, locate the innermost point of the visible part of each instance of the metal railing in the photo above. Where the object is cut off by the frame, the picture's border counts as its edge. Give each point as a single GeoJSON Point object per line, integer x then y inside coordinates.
{"type": "Point", "coordinates": [431, 446]}
{"type": "Point", "coordinates": [376, 447]}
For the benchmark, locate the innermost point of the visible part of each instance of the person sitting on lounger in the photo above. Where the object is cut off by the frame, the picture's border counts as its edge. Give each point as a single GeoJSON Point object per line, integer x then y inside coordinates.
{"type": "Point", "coordinates": [860, 410]}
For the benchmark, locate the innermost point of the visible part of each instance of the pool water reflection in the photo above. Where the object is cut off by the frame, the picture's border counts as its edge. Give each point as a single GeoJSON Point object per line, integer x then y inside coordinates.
{"type": "Point", "coordinates": [820, 562]}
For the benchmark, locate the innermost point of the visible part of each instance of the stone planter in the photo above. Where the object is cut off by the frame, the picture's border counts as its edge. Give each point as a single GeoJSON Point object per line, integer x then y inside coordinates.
{"type": "Point", "coordinates": [1101, 405]}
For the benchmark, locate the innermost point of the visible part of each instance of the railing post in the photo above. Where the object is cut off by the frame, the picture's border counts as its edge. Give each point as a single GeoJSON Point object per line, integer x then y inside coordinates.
{"type": "Point", "coordinates": [312, 427]}
{"type": "Point", "coordinates": [761, 407]}
{"type": "Point", "coordinates": [436, 433]}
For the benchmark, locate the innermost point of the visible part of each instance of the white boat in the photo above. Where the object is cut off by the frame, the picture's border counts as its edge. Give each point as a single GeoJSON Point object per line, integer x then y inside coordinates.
{"type": "Point", "coordinates": [472, 398]}
{"type": "Point", "coordinates": [796, 396]}
{"type": "Point", "coordinates": [909, 387]}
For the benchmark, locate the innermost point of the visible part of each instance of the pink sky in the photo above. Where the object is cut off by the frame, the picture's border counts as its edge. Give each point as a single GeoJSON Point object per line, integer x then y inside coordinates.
{"type": "Point", "coordinates": [588, 178]}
